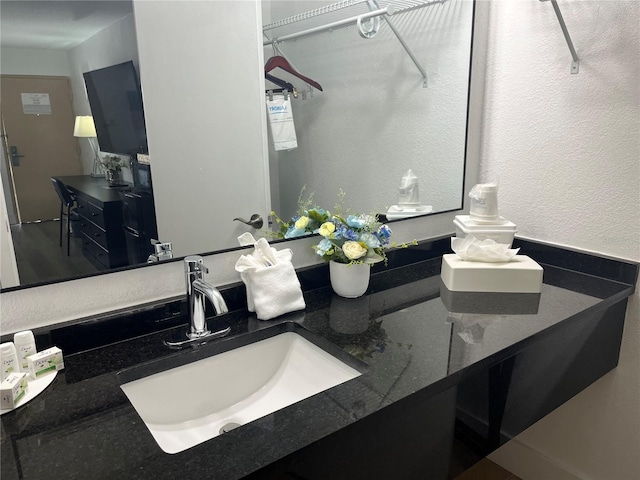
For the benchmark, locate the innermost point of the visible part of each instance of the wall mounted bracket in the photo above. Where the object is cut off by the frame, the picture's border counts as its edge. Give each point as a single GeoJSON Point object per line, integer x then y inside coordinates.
{"type": "Point", "coordinates": [575, 64]}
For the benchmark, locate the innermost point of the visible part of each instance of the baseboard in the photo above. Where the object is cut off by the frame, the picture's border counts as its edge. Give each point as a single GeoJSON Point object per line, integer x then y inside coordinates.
{"type": "Point", "coordinates": [529, 464]}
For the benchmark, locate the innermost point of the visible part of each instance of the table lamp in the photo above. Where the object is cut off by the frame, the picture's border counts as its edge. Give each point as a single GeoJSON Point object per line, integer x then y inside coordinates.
{"type": "Point", "coordinates": [85, 128]}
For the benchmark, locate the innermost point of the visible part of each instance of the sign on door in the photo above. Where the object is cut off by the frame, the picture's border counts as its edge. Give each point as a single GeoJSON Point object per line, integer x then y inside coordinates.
{"type": "Point", "coordinates": [36, 103]}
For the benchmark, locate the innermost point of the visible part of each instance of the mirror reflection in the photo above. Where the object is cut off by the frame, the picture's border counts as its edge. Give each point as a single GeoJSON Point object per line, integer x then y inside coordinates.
{"type": "Point", "coordinates": [377, 103]}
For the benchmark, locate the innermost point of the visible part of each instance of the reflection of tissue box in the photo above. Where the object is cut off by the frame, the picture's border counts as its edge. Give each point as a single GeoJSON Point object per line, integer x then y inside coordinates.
{"type": "Point", "coordinates": [520, 275]}
{"type": "Point", "coordinates": [502, 230]}
{"type": "Point", "coordinates": [396, 211]}
{"type": "Point", "coordinates": [500, 303]}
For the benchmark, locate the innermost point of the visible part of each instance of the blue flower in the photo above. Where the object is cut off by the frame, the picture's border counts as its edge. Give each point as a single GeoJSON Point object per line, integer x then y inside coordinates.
{"type": "Point", "coordinates": [323, 247]}
{"type": "Point", "coordinates": [350, 235]}
{"type": "Point", "coordinates": [384, 234]}
{"type": "Point", "coordinates": [356, 221]}
{"type": "Point", "coordinates": [294, 232]}
{"type": "Point", "coordinates": [370, 240]}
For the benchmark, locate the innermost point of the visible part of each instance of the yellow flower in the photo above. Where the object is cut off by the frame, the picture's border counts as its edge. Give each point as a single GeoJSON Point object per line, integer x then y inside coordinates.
{"type": "Point", "coordinates": [302, 222]}
{"type": "Point", "coordinates": [354, 250]}
{"type": "Point", "coordinates": [327, 228]}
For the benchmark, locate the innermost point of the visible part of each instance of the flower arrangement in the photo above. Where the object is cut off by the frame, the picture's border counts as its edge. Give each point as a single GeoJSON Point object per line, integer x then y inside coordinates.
{"type": "Point", "coordinates": [112, 163]}
{"type": "Point", "coordinates": [348, 238]}
{"type": "Point", "coordinates": [353, 239]}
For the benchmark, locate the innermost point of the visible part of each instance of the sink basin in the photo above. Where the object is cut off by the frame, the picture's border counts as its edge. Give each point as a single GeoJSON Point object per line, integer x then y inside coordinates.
{"type": "Point", "coordinates": [189, 404]}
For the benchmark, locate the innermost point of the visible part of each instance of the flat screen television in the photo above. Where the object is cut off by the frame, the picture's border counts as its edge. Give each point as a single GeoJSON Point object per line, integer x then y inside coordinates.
{"type": "Point", "coordinates": [116, 105]}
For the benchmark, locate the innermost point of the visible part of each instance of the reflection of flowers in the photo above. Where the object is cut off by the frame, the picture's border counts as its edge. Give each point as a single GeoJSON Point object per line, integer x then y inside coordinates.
{"type": "Point", "coordinates": [348, 238]}
{"type": "Point", "coordinates": [301, 223]}
{"type": "Point", "coordinates": [307, 220]}
{"type": "Point", "coordinates": [112, 163]}
{"type": "Point", "coordinates": [373, 340]}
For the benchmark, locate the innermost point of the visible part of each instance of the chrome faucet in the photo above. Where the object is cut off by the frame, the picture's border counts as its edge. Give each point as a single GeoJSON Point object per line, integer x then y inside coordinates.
{"type": "Point", "coordinates": [197, 291]}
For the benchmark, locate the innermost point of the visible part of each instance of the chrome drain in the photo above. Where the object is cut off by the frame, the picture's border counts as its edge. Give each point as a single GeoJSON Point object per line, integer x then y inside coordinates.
{"type": "Point", "coordinates": [228, 427]}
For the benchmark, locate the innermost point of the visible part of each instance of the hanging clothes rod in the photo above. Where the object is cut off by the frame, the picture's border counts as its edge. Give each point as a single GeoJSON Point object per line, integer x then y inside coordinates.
{"type": "Point", "coordinates": [365, 31]}
{"type": "Point", "coordinates": [388, 10]}
{"type": "Point", "coordinates": [575, 64]}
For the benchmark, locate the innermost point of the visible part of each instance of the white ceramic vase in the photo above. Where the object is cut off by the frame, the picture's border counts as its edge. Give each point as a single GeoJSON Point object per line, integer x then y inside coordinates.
{"type": "Point", "coordinates": [349, 281]}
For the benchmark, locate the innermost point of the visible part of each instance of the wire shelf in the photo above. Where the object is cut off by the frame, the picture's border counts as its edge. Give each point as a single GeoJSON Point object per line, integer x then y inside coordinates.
{"type": "Point", "coordinates": [344, 13]}
{"type": "Point", "coordinates": [342, 9]}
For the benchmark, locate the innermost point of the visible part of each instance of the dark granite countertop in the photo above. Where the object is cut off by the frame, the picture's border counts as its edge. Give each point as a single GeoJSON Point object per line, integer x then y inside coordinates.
{"type": "Point", "coordinates": [404, 331]}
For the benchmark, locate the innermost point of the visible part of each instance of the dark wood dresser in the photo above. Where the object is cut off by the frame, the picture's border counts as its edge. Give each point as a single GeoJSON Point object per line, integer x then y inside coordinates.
{"type": "Point", "coordinates": [100, 210]}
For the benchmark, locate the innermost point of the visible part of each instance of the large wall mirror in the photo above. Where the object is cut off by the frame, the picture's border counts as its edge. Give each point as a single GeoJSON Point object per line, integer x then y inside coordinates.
{"type": "Point", "coordinates": [394, 98]}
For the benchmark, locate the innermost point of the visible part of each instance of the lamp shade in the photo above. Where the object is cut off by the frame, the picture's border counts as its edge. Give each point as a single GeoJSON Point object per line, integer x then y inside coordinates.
{"type": "Point", "coordinates": [84, 127]}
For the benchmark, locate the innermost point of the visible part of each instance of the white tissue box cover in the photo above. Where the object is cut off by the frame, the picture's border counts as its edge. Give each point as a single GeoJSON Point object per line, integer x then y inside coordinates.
{"type": "Point", "coordinates": [520, 275]}
{"type": "Point", "coordinates": [502, 231]}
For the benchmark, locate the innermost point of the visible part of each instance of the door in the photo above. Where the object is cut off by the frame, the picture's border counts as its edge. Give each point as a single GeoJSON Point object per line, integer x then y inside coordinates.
{"type": "Point", "coordinates": [38, 119]}
{"type": "Point", "coordinates": [206, 126]}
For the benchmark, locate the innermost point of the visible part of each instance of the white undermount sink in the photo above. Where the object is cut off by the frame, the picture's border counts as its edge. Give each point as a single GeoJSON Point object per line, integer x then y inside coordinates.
{"type": "Point", "coordinates": [192, 403]}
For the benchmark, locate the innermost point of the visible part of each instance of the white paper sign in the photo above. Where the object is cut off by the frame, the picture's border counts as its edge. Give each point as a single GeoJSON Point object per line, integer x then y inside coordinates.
{"type": "Point", "coordinates": [36, 103]}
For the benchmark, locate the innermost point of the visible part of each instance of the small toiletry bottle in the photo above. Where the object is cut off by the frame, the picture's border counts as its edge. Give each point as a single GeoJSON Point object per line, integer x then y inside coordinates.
{"type": "Point", "coordinates": [25, 345]}
{"type": "Point", "coordinates": [9, 360]}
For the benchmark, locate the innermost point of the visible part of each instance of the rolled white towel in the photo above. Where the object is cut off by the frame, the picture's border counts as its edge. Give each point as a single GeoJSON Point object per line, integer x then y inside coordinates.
{"type": "Point", "coordinates": [273, 288]}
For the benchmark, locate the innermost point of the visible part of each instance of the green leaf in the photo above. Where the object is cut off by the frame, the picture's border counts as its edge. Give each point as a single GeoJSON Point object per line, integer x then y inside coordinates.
{"type": "Point", "coordinates": [372, 257]}
{"type": "Point", "coordinates": [315, 215]}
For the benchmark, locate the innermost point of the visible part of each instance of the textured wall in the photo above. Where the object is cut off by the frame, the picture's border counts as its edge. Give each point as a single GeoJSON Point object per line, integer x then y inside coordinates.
{"type": "Point", "coordinates": [565, 149]}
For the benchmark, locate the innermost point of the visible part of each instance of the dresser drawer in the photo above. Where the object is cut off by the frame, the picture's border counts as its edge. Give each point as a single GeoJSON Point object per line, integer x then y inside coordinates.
{"type": "Point", "coordinates": [101, 255]}
{"type": "Point", "coordinates": [101, 226]}
{"type": "Point", "coordinates": [83, 207]}
{"type": "Point", "coordinates": [91, 212]}
{"type": "Point", "coordinates": [94, 232]}
{"type": "Point", "coordinates": [99, 236]}
{"type": "Point", "coordinates": [96, 215]}
{"type": "Point", "coordinates": [95, 251]}
{"type": "Point", "coordinates": [85, 226]}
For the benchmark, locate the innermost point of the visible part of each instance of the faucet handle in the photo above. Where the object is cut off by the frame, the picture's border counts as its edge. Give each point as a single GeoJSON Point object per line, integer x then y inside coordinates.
{"type": "Point", "coordinates": [194, 264]}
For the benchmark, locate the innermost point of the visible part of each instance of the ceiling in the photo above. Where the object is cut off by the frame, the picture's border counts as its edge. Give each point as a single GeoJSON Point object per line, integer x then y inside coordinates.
{"type": "Point", "coordinates": [56, 24]}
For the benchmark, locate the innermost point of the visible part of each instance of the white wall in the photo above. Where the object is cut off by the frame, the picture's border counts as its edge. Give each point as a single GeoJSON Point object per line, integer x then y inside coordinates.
{"type": "Point", "coordinates": [566, 150]}
{"type": "Point", "coordinates": [374, 120]}
{"type": "Point", "coordinates": [34, 61]}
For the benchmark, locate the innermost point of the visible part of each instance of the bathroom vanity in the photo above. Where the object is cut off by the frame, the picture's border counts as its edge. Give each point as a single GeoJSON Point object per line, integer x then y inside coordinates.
{"type": "Point", "coordinates": [445, 379]}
